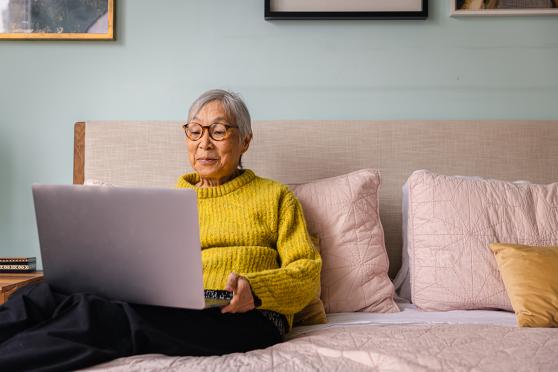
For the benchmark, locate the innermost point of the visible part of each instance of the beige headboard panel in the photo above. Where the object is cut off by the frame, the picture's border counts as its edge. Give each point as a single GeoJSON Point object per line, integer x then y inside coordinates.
{"type": "Point", "coordinates": [153, 154]}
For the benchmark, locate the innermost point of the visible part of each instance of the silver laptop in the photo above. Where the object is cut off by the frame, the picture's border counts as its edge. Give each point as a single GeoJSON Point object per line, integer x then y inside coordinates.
{"type": "Point", "coordinates": [139, 245]}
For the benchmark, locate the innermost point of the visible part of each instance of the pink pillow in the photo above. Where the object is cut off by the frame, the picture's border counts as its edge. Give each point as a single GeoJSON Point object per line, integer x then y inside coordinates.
{"type": "Point", "coordinates": [452, 221]}
{"type": "Point", "coordinates": [343, 212]}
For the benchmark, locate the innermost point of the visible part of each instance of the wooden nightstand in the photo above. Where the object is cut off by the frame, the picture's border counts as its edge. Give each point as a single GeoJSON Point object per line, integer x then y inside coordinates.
{"type": "Point", "coordinates": [10, 282]}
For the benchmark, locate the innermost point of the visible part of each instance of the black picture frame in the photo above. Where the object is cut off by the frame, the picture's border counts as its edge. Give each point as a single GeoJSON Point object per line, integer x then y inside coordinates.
{"type": "Point", "coordinates": [364, 15]}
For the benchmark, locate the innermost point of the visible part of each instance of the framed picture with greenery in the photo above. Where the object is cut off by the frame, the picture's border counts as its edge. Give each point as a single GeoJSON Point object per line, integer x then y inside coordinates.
{"type": "Point", "coordinates": [346, 9]}
{"type": "Point", "coordinates": [57, 19]}
{"type": "Point", "coordinates": [503, 7]}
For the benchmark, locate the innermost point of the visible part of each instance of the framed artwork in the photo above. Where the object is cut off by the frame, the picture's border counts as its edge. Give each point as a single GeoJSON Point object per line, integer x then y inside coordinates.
{"type": "Point", "coordinates": [503, 7]}
{"type": "Point", "coordinates": [57, 19]}
{"type": "Point", "coordinates": [346, 9]}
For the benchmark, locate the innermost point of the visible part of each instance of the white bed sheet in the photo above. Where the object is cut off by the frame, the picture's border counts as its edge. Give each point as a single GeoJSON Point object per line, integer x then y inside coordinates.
{"type": "Point", "coordinates": [410, 314]}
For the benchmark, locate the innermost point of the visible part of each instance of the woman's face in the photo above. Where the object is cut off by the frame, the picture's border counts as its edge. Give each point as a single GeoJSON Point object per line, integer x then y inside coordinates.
{"type": "Point", "coordinates": [215, 160]}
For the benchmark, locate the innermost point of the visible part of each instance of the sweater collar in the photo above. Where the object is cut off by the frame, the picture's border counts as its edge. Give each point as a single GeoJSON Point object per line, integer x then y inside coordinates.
{"type": "Point", "coordinates": [189, 181]}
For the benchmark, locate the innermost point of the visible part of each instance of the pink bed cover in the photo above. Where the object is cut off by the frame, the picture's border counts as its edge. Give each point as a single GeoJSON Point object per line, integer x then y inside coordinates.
{"type": "Point", "coordinates": [407, 341]}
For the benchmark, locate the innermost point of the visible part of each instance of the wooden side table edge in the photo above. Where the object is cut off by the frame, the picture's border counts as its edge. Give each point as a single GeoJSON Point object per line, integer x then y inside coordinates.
{"type": "Point", "coordinates": [14, 281]}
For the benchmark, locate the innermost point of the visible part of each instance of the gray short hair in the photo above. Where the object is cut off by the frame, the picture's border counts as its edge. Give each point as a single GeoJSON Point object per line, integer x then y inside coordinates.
{"type": "Point", "coordinates": [234, 107]}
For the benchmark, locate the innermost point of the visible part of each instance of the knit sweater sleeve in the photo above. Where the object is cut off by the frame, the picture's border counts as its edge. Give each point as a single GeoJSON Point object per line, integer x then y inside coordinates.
{"type": "Point", "coordinates": [292, 286]}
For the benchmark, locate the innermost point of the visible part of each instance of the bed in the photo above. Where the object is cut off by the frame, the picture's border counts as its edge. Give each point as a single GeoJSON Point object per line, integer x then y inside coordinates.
{"type": "Point", "coordinates": [297, 152]}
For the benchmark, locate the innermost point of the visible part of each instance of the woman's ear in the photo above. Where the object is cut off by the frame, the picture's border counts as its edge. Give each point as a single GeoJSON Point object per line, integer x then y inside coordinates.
{"type": "Point", "coordinates": [246, 143]}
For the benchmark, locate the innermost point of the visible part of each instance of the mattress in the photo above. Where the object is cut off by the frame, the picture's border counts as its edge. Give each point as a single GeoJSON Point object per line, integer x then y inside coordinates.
{"type": "Point", "coordinates": [412, 340]}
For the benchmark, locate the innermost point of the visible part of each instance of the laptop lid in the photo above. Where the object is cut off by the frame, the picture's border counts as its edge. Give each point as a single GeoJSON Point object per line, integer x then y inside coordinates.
{"type": "Point", "coordinates": [139, 245]}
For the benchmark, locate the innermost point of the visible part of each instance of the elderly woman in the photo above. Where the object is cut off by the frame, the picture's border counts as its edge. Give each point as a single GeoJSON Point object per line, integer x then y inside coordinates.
{"type": "Point", "coordinates": [254, 243]}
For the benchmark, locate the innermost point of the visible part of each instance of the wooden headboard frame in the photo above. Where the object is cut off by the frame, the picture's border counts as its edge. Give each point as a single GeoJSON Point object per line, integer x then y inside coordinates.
{"type": "Point", "coordinates": [79, 153]}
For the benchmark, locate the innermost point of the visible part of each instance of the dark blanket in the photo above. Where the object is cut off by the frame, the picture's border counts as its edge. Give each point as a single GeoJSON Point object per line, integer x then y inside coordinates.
{"type": "Point", "coordinates": [43, 330]}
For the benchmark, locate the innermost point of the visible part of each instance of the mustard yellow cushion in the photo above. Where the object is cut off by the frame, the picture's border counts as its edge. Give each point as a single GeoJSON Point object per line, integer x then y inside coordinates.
{"type": "Point", "coordinates": [314, 312]}
{"type": "Point", "coordinates": [530, 275]}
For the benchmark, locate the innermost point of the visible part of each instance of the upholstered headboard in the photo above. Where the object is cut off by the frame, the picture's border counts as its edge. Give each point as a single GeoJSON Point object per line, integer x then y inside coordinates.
{"type": "Point", "coordinates": [154, 154]}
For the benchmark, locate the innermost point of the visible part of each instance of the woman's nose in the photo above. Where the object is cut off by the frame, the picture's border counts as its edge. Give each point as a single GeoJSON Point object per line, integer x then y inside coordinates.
{"type": "Point", "coordinates": [205, 140]}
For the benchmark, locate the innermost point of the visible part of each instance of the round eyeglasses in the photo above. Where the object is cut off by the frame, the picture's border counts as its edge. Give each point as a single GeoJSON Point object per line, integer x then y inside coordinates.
{"type": "Point", "coordinates": [217, 131]}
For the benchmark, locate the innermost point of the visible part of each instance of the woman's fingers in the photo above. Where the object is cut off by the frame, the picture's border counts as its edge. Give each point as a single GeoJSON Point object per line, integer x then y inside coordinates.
{"type": "Point", "coordinates": [232, 282]}
{"type": "Point", "coordinates": [242, 300]}
{"type": "Point", "coordinates": [230, 308]}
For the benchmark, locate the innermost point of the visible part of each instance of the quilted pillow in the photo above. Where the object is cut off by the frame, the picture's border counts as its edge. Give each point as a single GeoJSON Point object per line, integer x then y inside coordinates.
{"type": "Point", "coordinates": [451, 222]}
{"type": "Point", "coordinates": [402, 280]}
{"type": "Point", "coordinates": [343, 212]}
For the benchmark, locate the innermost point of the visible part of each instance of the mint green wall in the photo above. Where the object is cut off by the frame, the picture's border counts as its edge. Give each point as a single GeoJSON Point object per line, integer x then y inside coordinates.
{"type": "Point", "coordinates": [169, 51]}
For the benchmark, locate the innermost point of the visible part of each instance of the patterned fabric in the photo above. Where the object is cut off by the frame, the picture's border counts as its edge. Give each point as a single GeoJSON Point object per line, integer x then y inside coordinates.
{"type": "Point", "coordinates": [452, 221]}
{"type": "Point", "coordinates": [255, 228]}
{"type": "Point", "coordinates": [343, 212]}
{"type": "Point", "coordinates": [278, 321]}
{"type": "Point", "coordinates": [355, 348]}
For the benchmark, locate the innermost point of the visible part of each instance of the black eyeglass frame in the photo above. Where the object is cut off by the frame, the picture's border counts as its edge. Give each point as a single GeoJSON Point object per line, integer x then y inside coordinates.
{"type": "Point", "coordinates": [209, 130]}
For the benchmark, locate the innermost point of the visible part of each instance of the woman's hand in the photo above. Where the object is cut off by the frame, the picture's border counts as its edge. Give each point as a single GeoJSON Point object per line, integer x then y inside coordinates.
{"type": "Point", "coordinates": [242, 300]}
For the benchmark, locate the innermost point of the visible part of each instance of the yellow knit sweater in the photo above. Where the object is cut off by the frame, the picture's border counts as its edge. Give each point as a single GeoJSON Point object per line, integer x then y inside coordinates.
{"type": "Point", "coordinates": [255, 227]}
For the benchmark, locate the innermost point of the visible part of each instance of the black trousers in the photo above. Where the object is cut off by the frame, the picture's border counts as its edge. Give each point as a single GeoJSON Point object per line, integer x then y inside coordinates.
{"type": "Point", "coordinates": [43, 330]}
